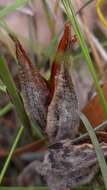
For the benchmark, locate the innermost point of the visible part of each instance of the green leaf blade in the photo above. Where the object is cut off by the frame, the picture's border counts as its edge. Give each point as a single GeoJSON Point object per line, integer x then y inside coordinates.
{"type": "Point", "coordinates": [99, 153]}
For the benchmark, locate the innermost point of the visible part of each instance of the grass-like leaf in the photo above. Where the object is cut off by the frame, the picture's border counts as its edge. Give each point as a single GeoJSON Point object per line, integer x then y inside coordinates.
{"type": "Point", "coordinates": [10, 154]}
{"type": "Point", "coordinates": [72, 17]}
{"type": "Point", "coordinates": [101, 126]}
{"type": "Point", "coordinates": [2, 87]}
{"type": "Point", "coordinates": [12, 7]}
{"type": "Point", "coordinates": [12, 90]}
{"type": "Point", "coordinates": [49, 17]}
{"type": "Point", "coordinates": [6, 109]}
{"type": "Point", "coordinates": [99, 154]}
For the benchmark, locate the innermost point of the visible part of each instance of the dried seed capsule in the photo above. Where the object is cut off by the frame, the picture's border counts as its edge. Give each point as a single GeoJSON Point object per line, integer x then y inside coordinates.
{"type": "Point", "coordinates": [62, 118]}
{"type": "Point", "coordinates": [33, 86]}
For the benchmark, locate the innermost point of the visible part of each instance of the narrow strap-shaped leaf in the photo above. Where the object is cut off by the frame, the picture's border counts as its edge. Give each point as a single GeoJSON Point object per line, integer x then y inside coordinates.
{"type": "Point", "coordinates": [12, 90]}
{"type": "Point", "coordinates": [11, 153]}
{"type": "Point", "coordinates": [99, 153]}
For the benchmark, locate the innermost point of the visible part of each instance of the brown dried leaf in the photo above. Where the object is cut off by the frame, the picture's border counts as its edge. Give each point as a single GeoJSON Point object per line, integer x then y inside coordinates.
{"type": "Point", "coordinates": [94, 111]}
{"type": "Point", "coordinates": [33, 86]}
